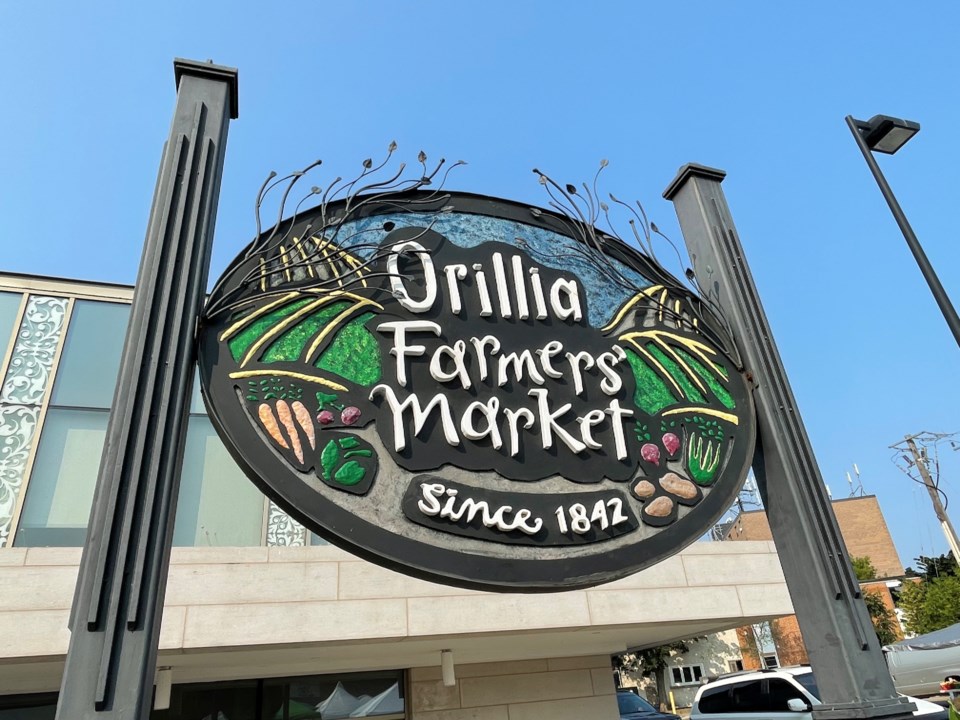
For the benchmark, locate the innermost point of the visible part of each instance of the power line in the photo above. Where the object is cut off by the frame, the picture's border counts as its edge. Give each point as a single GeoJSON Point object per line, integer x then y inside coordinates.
{"type": "Point", "coordinates": [920, 446]}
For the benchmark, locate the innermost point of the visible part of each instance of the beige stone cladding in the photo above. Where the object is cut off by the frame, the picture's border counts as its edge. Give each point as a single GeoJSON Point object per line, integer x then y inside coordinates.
{"type": "Point", "coordinates": [235, 613]}
{"type": "Point", "coordinates": [555, 688]}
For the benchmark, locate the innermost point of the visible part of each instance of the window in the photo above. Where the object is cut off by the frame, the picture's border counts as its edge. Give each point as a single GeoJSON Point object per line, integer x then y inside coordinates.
{"type": "Point", "coordinates": [779, 691]}
{"type": "Point", "coordinates": [87, 375]}
{"type": "Point", "coordinates": [331, 697]}
{"type": "Point", "coordinates": [716, 700]}
{"type": "Point", "coordinates": [687, 674]}
{"type": "Point", "coordinates": [236, 700]}
{"type": "Point", "coordinates": [740, 697]}
{"type": "Point", "coordinates": [217, 505]}
{"type": "Point", "coordinates": [9, 307]}
{"type": "Point", "coordinates": [628, 702]}
{"type": "Point", "coordinates": [354, 695]}
{"type": "Point", "coordinates": [41, 706]}
{"type": "Point", "coordinates": [809, 683]}
{"type": "Point", "coordinates": [761, 695]}
{"type": "Point", "coordinates": [57, 505]}
{"type": "Point", "coordinates": [748, 697]}
{"type": "Point", "coordinates": [56, 508]}
{"type": "Point", "coordinates": [345, 696]}
{"type": "Point", "coordinates": [734, 665]}
{"type": "Point", "coordinates": [770, 661]}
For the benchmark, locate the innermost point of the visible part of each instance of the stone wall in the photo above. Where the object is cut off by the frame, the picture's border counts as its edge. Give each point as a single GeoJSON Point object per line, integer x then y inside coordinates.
{"type": "Point", "coordinates": [234, 613]}
{"type": "Point", "coordinates": [577, 688]}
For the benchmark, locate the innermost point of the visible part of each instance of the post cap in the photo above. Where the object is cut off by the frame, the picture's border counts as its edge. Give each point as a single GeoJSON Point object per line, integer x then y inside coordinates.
{"type": "Point", "coordinates": [210, 71]}
{"type": "Point", "coordinates": [688, 171]}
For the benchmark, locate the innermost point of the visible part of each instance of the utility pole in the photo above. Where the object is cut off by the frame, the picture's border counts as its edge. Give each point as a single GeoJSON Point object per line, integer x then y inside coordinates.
{"type": "Point", "coordinates": [920, 460]}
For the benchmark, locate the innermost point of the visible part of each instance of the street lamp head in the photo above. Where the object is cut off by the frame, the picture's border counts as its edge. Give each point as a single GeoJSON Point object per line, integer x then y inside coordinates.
{"type": "Point", "coordinates": [886, 134]}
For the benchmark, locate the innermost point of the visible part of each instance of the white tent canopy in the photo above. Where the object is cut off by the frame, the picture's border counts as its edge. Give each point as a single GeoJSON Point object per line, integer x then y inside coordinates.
{"type": "Point", "coordinates": [946, 637]}
{"type": "Point", "coordinates": [383, 704]}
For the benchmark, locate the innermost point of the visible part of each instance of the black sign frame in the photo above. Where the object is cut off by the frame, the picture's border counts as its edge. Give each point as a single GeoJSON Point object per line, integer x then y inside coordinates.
{"type": "Point", "coordinates": [442, 561]}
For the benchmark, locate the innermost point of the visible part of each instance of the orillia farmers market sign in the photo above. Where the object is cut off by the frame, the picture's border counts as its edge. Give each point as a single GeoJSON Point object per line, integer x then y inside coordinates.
{"type": "Point", "coordinates": [473, 390]}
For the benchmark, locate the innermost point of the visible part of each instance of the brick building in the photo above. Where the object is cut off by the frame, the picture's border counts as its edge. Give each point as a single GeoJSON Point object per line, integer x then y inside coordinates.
{"type": "Point", "coordinates": [865, 533]}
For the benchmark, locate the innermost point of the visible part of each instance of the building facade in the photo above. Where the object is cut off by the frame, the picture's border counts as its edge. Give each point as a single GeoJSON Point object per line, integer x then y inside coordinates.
{"type": "Point", "coordinates": [706, 656]}
{"type": "Point", "coordinates": [865, 533]}
{"type": "Point", "coordinates": [262, 619]}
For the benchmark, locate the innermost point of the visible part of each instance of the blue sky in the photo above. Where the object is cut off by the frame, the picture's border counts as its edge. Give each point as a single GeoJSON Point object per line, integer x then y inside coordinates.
{"type": "Point", "coordinates": [755, 88]}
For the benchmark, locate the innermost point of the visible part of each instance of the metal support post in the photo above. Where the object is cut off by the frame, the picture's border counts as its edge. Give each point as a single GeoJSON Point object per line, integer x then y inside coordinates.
{"type": "Point", "coordinates": [117, 607]}
{"type": "Point", "coordinates": [839, 637]}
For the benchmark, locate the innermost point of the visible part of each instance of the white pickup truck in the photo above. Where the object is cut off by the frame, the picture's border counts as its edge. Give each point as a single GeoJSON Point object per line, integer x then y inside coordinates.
{"type": "Point", "coordinates": [920, 664]}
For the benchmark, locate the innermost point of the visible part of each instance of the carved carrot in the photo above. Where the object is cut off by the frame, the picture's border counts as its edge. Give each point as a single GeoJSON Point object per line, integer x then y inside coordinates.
{"type": "Point", "coordinates": [283, 412]}
{"type": "Point", "coordinates": [270, 425]}
{"type": "Point", "coordinates": [306, 422]}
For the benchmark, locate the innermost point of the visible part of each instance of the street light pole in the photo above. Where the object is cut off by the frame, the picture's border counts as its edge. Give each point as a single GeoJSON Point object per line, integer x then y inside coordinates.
{"type": "Point", "coordinates": [861, 131]}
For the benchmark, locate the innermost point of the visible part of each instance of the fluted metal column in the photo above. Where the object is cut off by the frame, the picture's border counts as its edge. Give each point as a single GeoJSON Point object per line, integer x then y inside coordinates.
{"type": "Point", "coordinates": [115, 619]}
{"type": "Point", "coordinates": [851, 674]}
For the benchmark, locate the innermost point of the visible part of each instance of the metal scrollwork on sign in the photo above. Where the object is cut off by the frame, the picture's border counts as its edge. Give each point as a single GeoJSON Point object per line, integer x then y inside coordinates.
{"type": "Point", "coordinates": [24, 388]}
{"type": "Point", "coordinates": [474, 390]}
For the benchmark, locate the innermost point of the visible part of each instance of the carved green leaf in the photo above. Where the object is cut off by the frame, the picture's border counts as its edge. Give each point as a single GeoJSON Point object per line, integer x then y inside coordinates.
{"type": "Point", "coordinates": [328, 458]}
{"type": "Point", "coordinates": [350, 473]}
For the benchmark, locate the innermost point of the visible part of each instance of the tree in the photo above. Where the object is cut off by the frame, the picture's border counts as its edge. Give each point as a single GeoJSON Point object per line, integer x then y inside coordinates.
{"type": "Point", "coordinates": [625, 662]}
{"type": "Point", "coordinates": [883, 619]}
{"type": "Point", "coordinates": [863, 568]}
{"type": "Point", "coordinates": [884, 622]}
{"type": "Point", "coordinates": [931, 567]}
{"type": "Point", "coordinates": [653, 662]}
{"type": "Point", "coordinates": [931, 604]}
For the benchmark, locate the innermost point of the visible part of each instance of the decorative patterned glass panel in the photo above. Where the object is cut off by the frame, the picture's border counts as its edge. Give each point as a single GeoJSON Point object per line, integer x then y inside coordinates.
{"type": "Point", "coordinates": [57, 505]}
{"type": "Point", "coordinates": [283, 530]}
{"type": "Point", "coordinates": [18, 423]}
{"type": "Point", "coordinates": [23, 389]}
{"type": "Point", "coordinates": [37, 338]}
{"type": "Point", "coordinates": [218, 505]}
{"type": "Point", "coordinates": [87, 375]}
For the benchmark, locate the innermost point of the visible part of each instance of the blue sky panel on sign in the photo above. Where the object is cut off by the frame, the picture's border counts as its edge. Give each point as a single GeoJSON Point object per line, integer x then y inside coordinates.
{"type": "Point", "coordinates": [547, 247]}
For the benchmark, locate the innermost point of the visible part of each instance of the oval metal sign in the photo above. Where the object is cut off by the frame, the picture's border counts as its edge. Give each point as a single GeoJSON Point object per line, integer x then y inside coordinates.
{"type": "Point", "coordinates": [475, 391]}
